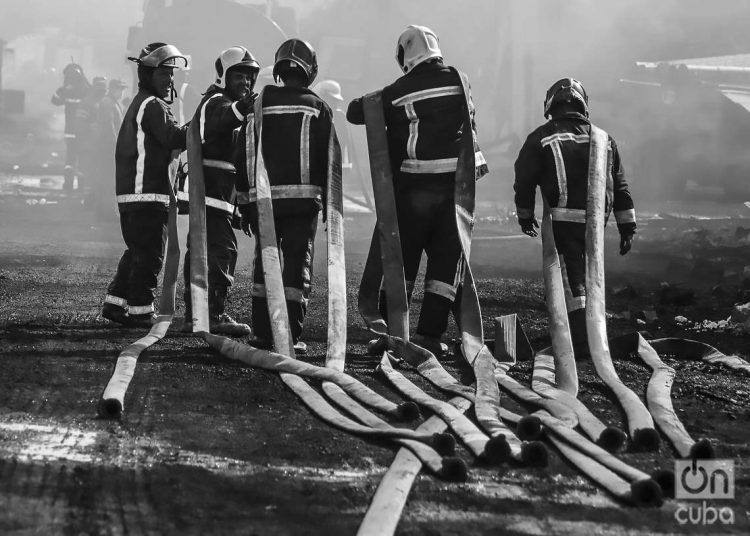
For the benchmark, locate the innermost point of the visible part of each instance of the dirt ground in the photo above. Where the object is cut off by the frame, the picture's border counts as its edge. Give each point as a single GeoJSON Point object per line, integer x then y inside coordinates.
{"type": "Point", "coordinates": [209, 446]}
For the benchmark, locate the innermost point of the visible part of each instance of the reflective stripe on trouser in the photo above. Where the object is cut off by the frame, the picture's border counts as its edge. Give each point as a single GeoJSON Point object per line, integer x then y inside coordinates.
{"type": "Point", "coordinates": [222, 259]}
{"type": "Point", "coordinates": [145, 234]}
{"type": "Point", "coordinates": [295, 236]}
{"type": "Point", "coordinates": [427, 223]}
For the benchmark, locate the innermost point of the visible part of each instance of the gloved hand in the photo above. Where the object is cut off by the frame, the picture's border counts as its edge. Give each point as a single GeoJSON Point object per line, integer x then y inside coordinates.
{"type": "Point", "coordinates": [626, 242]}
{"type": "Point", "coordinates": [246, 227]}
{"type": "Point", "coordinates": [527, 226]}
{"type": "Point", "coordinates": [245, 104]}
{"type": "Point", "coordinates": [245, 224]}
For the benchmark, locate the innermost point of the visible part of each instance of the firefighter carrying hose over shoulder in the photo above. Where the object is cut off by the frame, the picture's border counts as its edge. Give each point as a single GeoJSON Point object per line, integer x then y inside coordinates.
{"type": "Point", "coordinates": [555, 157]}
{"type": "Point", "coordinates": [424, 113]}
{"type": "Point", "coordinates": [146, 143]}
{"type": "Point", "coordinates": [221, 111]}
{"type": "Point", "coordinates": [295, 137]}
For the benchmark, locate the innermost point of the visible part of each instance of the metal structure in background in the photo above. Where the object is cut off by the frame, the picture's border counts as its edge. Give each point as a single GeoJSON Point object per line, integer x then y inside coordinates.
{"type": "Point", "coordinates": [694, 118]}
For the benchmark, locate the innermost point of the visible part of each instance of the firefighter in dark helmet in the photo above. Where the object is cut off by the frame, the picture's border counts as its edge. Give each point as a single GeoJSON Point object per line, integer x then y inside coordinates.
{"type": "Point", "coordinates": [555, 157]}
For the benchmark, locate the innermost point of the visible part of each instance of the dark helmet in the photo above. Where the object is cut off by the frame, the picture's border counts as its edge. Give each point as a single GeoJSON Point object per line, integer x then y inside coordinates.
{"type": "Point", "coordinates": [296, 53]}
{"type": "Point", "coordinates": [73, 75]}
{"type": "Point", "coordinates": [236, 57]}
{"type": "Point", "coordinates": [73, 69]}
{"type": "Point", "coordinates": [567, 90]}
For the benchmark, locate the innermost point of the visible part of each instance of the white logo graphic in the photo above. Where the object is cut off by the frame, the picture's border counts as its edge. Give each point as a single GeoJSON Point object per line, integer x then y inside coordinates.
{"type": "Point", "coordinates": [704, 479]}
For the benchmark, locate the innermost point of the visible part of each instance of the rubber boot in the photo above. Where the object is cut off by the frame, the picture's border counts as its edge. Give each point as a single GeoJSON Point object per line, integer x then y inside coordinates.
{"type": "Point", "coordinates": [578, 333]}
{"type": "Point", "coordinates": [219, 322]}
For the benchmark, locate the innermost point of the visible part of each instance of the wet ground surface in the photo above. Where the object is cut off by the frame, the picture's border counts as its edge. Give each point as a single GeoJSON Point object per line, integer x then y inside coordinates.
{"type": "Point", "coordinates": [208, 446]}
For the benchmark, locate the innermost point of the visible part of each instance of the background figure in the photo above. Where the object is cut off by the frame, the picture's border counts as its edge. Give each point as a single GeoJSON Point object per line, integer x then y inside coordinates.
{"type": "Point", "coordinates": [74, 89]}
{"type": "Point", "coordinates": [555, 157]}
{"type": "Point", "coordinates": [109, 120]}
{"type": "Point", "coordinates": [330, 92]}
{"type": "Point", "coordinates": [88, 137]}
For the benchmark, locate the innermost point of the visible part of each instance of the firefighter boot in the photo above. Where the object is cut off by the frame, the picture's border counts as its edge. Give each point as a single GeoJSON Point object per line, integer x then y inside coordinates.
{"type": "Point", "coordinates": [219, 322]}
{"type": "Point", "coordinates": [115, 313]}
{"type": "Point", "coordinates": [578, 333]}
{"type": "Point", "coordinates": [141, 321]}
{"type": "Point", "coordinates": [187, 324]}
{"type": "Point", "coordinates": [431, 344]}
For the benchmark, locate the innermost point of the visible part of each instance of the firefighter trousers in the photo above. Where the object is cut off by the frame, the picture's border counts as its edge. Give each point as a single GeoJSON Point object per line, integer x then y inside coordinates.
{"type": "Point", "coordinates": [221, 246]}
{"type": "Point", "coordinates": [145, 234]}
{"type": "Point", "coordinates": [427, 223]}
{"type": "Point", "coordinates": [570, 241]}
{"type": "Point", "coordinates": [295, 236]}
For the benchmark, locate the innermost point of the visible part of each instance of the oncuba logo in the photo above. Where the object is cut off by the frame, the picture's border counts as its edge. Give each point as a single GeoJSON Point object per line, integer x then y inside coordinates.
{"type": "Point", "coordinates": [704, 479]}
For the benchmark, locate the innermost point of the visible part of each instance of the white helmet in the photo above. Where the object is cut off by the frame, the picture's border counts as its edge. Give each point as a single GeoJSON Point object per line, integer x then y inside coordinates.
{"type": "Point", "coordinates": [416, 44]}
{"type": "Point", "coordinates": [234, 57]}
{"type": "Point", "coordinates": [330, 88]}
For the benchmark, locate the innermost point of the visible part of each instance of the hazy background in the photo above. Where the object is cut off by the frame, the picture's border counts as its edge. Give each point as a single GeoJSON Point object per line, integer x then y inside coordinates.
{"type": "Point", "coordinates": [511, 49]}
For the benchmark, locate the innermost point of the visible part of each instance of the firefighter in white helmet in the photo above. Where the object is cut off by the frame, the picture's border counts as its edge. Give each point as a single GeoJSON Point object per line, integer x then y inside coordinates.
{"type": "Point", "coordinates": [145, 144]}
{"type": "Point", "coordinates": [424, 111]}
{"type": "Point", "coordinates": [555, 157]}
{"type": "Point", "coordinates": [297, 131]}
{"type": "Point", "coordinates": [222, 110]}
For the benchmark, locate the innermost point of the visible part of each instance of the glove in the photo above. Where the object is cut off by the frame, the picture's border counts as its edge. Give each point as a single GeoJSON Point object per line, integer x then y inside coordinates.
{"type": "Point", "coordinates": [245, 223]}
{"type": "Point", "coordinates": [626, 242]}
{"type": "Point", "coordinates": [245, 104]}
{"type": "Point", "coordinates": [246, 227]}
{"type": "Point", "coordinates": [527, 226]}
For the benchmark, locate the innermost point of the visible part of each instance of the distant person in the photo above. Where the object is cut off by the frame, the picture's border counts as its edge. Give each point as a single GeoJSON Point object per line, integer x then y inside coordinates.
{"type": "Point", "coordinates": [74, 89]}
{"type": "Point", "coordinates": [330, 92]}
{"type": "Point", "coordinates": [424, 115]}
{"type": "Point", "coordinates": [295, 140]}
{"type": "Point", "coordinates": [109, 120]}
{"type": "Point", "coordinates": [145, 144]}
{"type": "Point", "coordinates": [88, 136]}
{"type": "Point", "coordinates": [223, 109]}
{"type": "Point", "coordinates": [555, 157]}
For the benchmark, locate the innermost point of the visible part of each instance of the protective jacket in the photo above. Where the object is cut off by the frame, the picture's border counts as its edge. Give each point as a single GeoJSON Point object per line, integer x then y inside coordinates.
{"type": "Point", "coordinates": [296, 129]}
{"type": "Point", "coordinates": [424, 114]}
{"type": "Point", "coordinates": [555, 157]}
{"type": "Point", "coordinates": [218, 118]}
{"type": "Point", "coordinates": [148, 136]}
{"type": "Point", "coordinates": [70, 96]}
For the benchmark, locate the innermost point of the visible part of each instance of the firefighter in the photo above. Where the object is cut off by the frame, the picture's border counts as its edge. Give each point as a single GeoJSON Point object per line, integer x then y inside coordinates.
{"type": "Point", "coordinates": [145, 144]}
{"type": "Point", "coordinates": [424, 111]}
{"type": "Point", "coordinates": [330, 92]}
{"type": "Point", "coordinates": [295, 135]}
{"type": "Point", "coordinates": [109, 119]}
{"type": "Point", "coordinates": [89, 156]}
{"type": "Point", "coordinates": [74, 89]}
{"type": "Point", "coordinates": [555, 157]}
{"type": "Point", "coordinates": [222, 111]}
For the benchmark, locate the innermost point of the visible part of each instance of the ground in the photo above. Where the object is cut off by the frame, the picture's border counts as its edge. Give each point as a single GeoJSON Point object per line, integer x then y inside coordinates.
{"type": "Point", "coordinates": [209, 446]}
